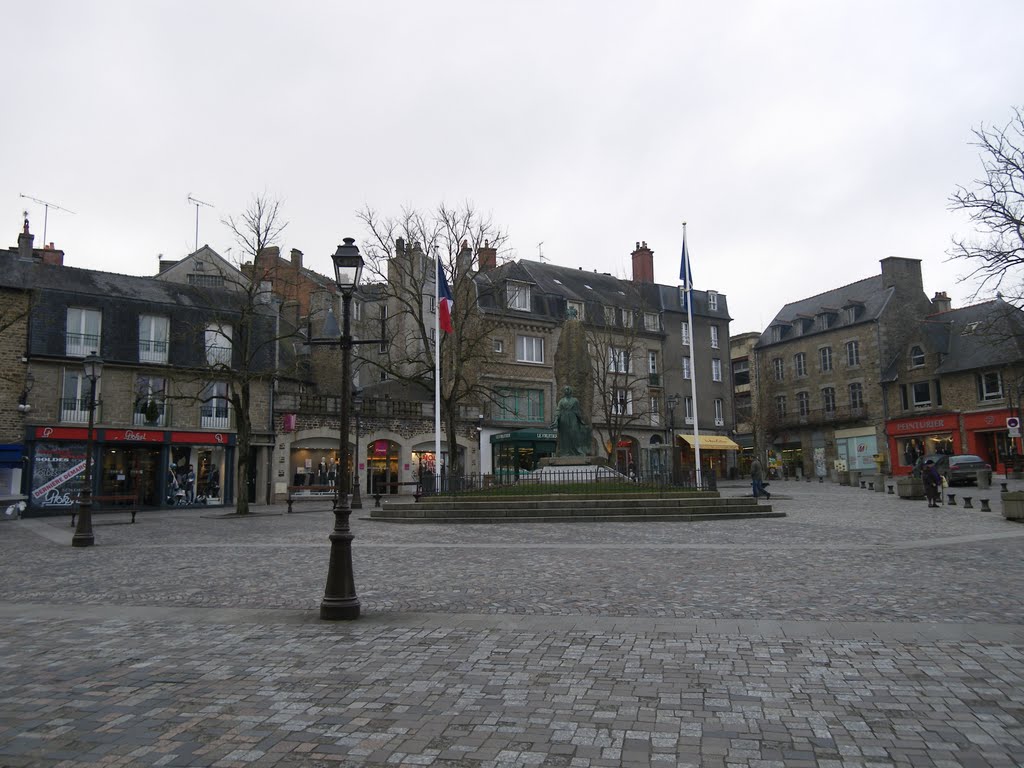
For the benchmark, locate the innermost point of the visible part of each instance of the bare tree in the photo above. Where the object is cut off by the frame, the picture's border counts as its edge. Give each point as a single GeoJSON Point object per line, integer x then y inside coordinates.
{"type": "Point", "coordinates": [401, 254]}
{"type": "Point", "coordinates": [995, 204]}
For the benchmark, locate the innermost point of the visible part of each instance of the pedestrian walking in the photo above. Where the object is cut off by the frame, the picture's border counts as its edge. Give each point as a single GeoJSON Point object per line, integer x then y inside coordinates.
{"type": "Point", "coordinates": [757, 480]}
{"type": "Point", "coordinates": [190, 485]}
{"type": "Point", "coordinates": [932, 483]}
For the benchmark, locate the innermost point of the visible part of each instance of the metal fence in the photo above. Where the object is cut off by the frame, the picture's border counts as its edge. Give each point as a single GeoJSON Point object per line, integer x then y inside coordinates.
{"type": "Point", "coordinates": [553, 481]}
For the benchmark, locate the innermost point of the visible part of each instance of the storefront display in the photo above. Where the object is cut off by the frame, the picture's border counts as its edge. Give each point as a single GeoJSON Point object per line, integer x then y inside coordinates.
{"type": "Point", "coordinates": [857, 448]}
{"type": "Point", "coordinates": [912, 438]}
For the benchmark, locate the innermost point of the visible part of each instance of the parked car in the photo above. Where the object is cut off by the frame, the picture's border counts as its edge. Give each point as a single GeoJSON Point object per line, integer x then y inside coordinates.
{"type": "Point", "coordinates": [961, 469]}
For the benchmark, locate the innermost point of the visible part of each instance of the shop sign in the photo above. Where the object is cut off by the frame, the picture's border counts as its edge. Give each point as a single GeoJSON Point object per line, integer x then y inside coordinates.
{"type": "Point", "coordinates": [921, 426]}
{"type": "Point", "coordinates": [380, 447]}
{"type": "Point", "coordinates": [133, 436]}
{"type": "Point", "coordinates": [215, 438]}
{"type": "Point", "coordinates": [1013, 426]}
{"type": "Point", "coordinates": [63, 433]}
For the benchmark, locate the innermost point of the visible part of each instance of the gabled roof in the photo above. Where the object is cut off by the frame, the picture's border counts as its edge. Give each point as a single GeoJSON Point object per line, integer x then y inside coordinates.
{"type": "Point", "coordinates": [869, 293]}
{"type": "Point", "coordinates": [985, 335]}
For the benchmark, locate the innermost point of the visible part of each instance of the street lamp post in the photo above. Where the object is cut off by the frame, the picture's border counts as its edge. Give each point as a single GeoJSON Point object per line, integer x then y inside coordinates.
{"type": "Point", "coordinates": [340, 600]}
{"type": "Point", "coordinates": [357, 409]}
{"type": "Point", "coordinates": [672, 401]}
{"type": "Point", "coordinates": [83, 537]}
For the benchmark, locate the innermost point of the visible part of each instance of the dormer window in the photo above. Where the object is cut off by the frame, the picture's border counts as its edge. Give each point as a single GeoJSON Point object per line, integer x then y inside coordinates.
{"type": "Point", "coordinates": [825, 320]}
{"type": "Point", "coordinates": [713, 301]}
{"type": "Point", "coordinates": [916, 357]}
{"type": "Point", "coordinates": [852, 312]}
{"type": "Point", "coordinates": [776, 333]}
{"type": "Point", "coordinates": [518, 296]}
{"type": "Point", "coordinates": [609, 315]}
{"type": "Point", "coordinates": [574, 310]}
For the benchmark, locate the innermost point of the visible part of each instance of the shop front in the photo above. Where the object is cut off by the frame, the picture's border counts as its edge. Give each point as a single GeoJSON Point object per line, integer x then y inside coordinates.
{"type": "Point", "coordinates": [913, 437]}
{"type": "Point", "coordinates": [520, 451]}
{"type": "Point", "coordinates": [713, 454]}
{"type": "Point", "coordinates": [856, 449]}
{"type": "Point", "coordinates": [158, 468]}
{"type": "Point", "coordinates": [989, 437]}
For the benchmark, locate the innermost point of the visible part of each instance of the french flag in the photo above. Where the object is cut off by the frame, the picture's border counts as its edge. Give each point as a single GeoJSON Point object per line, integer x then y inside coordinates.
{"type": "Point", "coordinates": [444, 301]}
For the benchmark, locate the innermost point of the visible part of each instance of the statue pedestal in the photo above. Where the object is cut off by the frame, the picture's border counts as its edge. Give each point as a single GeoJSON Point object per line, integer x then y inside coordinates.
{"type": "Point", "coordinates": [574, 469]}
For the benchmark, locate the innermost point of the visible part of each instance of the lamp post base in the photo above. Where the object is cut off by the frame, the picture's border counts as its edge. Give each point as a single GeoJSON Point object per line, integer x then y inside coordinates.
{"type": "Point", "coordinates": [340, 600]}
{"type": "Point", "coordinates": [83, 540]}
{"type": "Point", "coordinates": [341, 609]}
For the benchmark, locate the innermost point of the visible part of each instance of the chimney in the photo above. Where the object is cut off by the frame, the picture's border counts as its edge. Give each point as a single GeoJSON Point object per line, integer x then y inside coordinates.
{"type": "Point", "coordinates": [902, 274]}
{"type": "Point", "coordinates": [464, 260]}
{"type": "Point", "coordinates": [267, 257]}
{"type": "Point", "coordinates": [25, 243]}
{"type": "Point", "coordinates": [296, 258]}
{"type": "Point", "coordinates": [486, 257]}
{"type": "Point", "coordinates": [941, 302]}
{"type": "Point", "coordinates": [643, 263]}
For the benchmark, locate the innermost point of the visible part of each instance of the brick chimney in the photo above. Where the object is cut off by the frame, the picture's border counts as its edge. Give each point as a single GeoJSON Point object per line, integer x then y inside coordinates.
{"type": "Point", "coordinates": [941, 302]}
{"type": "Point", "coordinates": [25, 243]}
{"type": "Point", "coordinates": [486, 257]}
{"type": "Point", "coordinates": [296, 258]}
{"type": "Point", "coordinates": [643, 263]}
{"type": "Point", "coordinates": [267, 257]}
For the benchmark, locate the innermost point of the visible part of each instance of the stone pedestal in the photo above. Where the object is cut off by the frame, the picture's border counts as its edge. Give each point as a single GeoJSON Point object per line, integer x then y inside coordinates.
{"type": "Point", "coordinates": [1013, 505]}
{"type": "Point", "coordinates": [910, 488]}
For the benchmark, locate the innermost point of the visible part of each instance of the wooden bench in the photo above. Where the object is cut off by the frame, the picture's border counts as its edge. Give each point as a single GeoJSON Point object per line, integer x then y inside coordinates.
{"type": "Point", "coordinates": [302, 493]}
{"type": "Point", "coordinates": [127, 503]}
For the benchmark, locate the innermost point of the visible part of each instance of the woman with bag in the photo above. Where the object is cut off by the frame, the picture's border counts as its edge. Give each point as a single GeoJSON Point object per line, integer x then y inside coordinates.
{"type": "Point", "coordinates": [932, 483]}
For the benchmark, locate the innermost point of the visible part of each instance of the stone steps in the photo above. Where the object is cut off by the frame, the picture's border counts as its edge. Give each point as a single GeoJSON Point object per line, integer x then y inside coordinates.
{"type": "Point", "coordinates": [573, 510]}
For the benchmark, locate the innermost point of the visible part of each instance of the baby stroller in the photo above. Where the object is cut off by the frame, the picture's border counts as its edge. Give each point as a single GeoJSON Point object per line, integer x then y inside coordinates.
{"type": "Point", "coordinates": [175, 493]}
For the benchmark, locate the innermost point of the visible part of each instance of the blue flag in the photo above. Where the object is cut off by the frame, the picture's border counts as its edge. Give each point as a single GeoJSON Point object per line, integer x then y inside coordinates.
{"type": "Point", "coordinates": [685, 275]}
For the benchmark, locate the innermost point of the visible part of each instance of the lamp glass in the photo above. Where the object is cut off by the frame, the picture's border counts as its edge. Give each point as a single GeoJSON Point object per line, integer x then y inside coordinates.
{"type": "Point", "coordinates": [348, 265]}
{"type": "Point", "coordinates": [93, 366]}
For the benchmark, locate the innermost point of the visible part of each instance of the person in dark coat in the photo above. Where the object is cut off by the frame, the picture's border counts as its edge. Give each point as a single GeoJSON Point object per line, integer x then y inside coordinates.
{"type": "Point", "coordinates": [932, 483]}
{"type": "Point", "coordinates": [757, 480]}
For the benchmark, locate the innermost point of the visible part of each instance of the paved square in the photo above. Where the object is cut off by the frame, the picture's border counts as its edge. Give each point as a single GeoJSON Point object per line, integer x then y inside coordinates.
{"type": "Point", "coordinates": [861, 630]}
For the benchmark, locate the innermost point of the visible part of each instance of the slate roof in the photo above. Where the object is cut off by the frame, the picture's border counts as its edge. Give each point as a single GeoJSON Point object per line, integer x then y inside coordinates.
{"type": "Point", "coordinates": [984, 335]}
{"type": "Point", "coordinates": [869, 293]}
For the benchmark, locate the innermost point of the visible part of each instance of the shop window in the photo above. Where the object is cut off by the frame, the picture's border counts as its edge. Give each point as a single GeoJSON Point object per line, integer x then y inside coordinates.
{"type": "Point", "coordinates": [990, 386]}
{"type": "Point", "coordinates": [83, 331]}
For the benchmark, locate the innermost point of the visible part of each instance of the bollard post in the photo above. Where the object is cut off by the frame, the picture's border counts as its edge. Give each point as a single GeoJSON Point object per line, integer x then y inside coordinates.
{"type": "Point", "coordinates": [952, 499]}
{"type": "Point", "coordinates": [984, 506]}
{"type": "Point", "coordinates": [967, 502]}
{"type": "Point", "coordinates": [891, 491]}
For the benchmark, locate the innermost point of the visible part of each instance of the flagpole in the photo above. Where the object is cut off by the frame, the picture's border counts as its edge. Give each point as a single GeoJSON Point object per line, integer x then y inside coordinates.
{"type": "Point", "coordinates": [437, 371]}
{"type": "Point", "coordinates": [688, 280]}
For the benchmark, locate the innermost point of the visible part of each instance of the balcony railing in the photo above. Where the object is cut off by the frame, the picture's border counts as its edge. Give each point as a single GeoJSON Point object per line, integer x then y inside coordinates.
{"type": "Point", "coordinates": [823, 416]}
{"type": "Point", "coordinates": [152, 351]}
{"type": "Point", "coordinates": [654, 379]}
{"type": "Point", "coordinates": [156, 415]}
{"type": "Point", "coordinates": [331, 405]}
{"type": "Point", "coordinates": [75, 410]}
{"type": "Point", "coordinates": [214, 416]}
{"type": "Point", "coordinates": [81, 344]}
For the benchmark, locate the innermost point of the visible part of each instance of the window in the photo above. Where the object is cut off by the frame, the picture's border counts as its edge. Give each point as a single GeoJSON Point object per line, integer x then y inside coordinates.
{"type": "Point", "coordinates": [825, 359]}
{"type": "Point", "coordinates": [498, 345]}
{"type": "Point", "coordinates": [627, 318]}
{"type": "Point", "coordinates": [574, 309]}
{"type": "Point", "coordinates": [684, 328]}
{"type": "Point", "coordinates": [741, 372]}
{"type": "Point", "coordinates": [518, 296]}
{"type": "Point", "coordinates": [853, 353]}
{"type": "Point", "coordinates": [382, 314]}
{"type": "Point", "coordinates": [218, 344]}
{"type": "Point", "coordinates": [780, 406]}
{"type": "Point", "coordinates": [916, 357]}
{"type": "Point", "coordinates": [213, 406]}
{"type": "Point", "coordinates": [713, 301]}
{"type": "Point", "coordinates": [719, 412]}
{"type": "Point", "coordinates": [529, 349]}
{"type": "Point", "coordinates": [689, 409]}
{"type": "Point", "coordinates": [652, 367]}
{"type": "Point", "coordinates": [651, 322]}
{"type": "Point", "coordinates": [153, 334]}
{"type": "Point", "coordinates": [776, 332]}
{"type": "Point", "coordinates": [74, 403]}
{"type": "Point", "coordinates": [824, 320]}
{"type": "Point", "coordinates": [521, 405]}
{"type": "Point", "coordinates": [433, 337]}
{"type": "Point", "coordinates": [83, 333]}
{"type": "Point", "coordinates": [850, 313]}
{"type": "Point", "coordinates": [609, 315]}
{"type": "Point", "coordinates": [714, 337]}
{"type": "Point", "coordinates": [619, 360]}
{"type": "Point", "coordinates": [686, 368]}
{"type": "Point", "coordinates": [150, 402]}
{"type": "Point", "coordinates": [779, 368]}
{"type": "Point", "coordinates": [433, 304]}
{"type": "Point", "coordinates": [856, 396]}
{"type": "Point", "coordinates": [206, 281]}
{"type": "Point", "coordinates": [744, 407]}
{"type": "Point", "coordinates": [623, 403]}
{"type": "Point", "coordinates": [828, 400]}
{"type": "Point", "coordinates": [655, 410]}
{"type": "Point", "coordinates": [990, 386]}
{"type": "Point", "coordinates": [716, 369]}
{"type": "Point", "coordinates": [357, 310]}
{"type": "Point", "coordinates": [921, 394]}
{"type": "Point", "coordinates": [800, 364]}
{"type": "Point", "coordinates": [803, 404]}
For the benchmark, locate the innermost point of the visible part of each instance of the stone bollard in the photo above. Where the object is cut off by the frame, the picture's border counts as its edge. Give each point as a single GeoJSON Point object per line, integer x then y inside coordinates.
{"type": "Point", "coordinates": [984, 506]}
{"type": "Point", "coordinates": [1004, 488]}
{"type": "Point", "coordinates": [863, 483]}
{"type": "Point", "coordinates": [952, 499]}
{"type": "Point", "coordinates": [891, 487]}
{"type": "Point", "coordinates": [967, 502]}
{"type": "Point", "coordinates": [871, 485]}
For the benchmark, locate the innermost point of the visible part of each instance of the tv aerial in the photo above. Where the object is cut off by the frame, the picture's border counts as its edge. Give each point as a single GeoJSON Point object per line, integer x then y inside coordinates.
{"type": "Point", "coordinates": [197, 202]}
{"type": "Point", "coordinates": [46, 211]}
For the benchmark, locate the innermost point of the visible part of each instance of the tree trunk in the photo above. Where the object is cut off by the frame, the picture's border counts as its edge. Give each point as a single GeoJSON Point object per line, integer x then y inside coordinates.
{"type": "Point", "coordinates": [241, 403]}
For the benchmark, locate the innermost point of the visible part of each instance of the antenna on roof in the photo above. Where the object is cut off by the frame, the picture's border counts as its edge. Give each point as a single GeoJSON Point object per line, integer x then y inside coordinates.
{"type": "Point", "coordinates": [196, 202]}
{"type": "Point", "coordinates": [46, 211]}
{"type": "Point", "coordinates": [540, 252]}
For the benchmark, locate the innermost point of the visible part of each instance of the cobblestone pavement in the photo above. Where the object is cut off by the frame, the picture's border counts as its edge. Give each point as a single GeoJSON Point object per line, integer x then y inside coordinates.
{"type": "Point", "coordinates": [860, 630]}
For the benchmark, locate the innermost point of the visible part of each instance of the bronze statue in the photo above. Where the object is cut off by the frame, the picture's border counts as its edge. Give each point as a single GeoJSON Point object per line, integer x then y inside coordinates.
{"type": "Point", "coordinates": [573, 431]}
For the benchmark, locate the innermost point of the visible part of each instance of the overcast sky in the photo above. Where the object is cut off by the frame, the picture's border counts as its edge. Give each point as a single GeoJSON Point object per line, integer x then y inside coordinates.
{"type": "Point", "coordinates": [801, 141]}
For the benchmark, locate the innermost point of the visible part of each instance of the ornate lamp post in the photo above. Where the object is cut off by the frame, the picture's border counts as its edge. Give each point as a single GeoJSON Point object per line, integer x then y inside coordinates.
{"type": "Point", "coordinates": [357, 409]}
{"type": "Point", "coordinates": [340, 600]}
{"type": "Point", "coordinates": [83, 537]}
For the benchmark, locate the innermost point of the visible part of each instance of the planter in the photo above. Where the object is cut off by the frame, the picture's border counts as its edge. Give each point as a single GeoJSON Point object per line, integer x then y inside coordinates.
{"type": "Point", "coordinates": [910, 488]}
{"type": "Point", "coordinates": [1013, 505]}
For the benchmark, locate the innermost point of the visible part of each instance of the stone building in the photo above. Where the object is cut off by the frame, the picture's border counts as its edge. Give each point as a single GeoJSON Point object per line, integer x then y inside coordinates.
{"type": "Point", "coordinates": [819, 366]}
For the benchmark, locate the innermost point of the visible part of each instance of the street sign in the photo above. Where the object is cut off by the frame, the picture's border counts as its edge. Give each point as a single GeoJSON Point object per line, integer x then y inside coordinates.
{"type": "Point", "coordinates": [1013, 426]}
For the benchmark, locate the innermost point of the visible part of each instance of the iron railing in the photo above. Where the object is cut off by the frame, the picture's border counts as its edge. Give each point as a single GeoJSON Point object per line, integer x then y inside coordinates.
{"type": "Point", "coordinates": [553, 481]}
